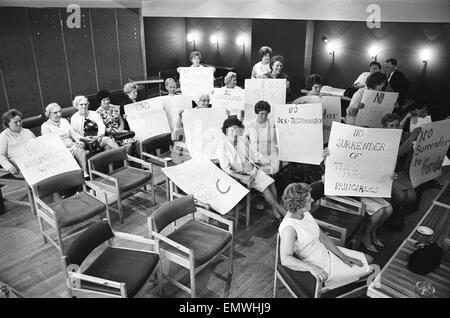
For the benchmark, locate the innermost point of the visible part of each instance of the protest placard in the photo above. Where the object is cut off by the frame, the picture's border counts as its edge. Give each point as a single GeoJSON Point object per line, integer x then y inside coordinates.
{"type": "Point", "coordinates": [43, 157]}
{"type": "Point", "coordinates": [196, 80]}
{"type": "Point", "coordinates": [299, 132]}
{"type": "Point", "coordinates": [230, 99]}
{"type": "Point", "coordinates": [172, 105]}
{"type": "Point", "coordinates": [271, 90]}
{"type": "Point", "coordinates": [331, 107]}
{"type": "Point", "coordinates": [207, 183]}
{"type": "Point", "coordinates": [147, 118]}
{"type": "Point", "coordinates": [376, 105]}
{"type": "Point", "coordinates": [361, 161]}
{"type": "Point", "coordinates": [429, 152]}
{"type": "Point", "coordinates": [418, 122]}
{"type": "Point", "coordinates": [202, 126]}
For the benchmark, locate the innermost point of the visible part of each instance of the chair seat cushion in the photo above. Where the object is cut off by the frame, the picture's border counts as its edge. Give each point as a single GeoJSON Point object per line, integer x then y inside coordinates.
{"type": "Point", "coordinates": [124, 266]}
{"type": "Point", "coordinates": [349, 221]}
{"type": "Point", "coordinates": [303, 284]}
{"type": "Point", "coordinates": [204, 240]}
{"type": "Point", "coordinates": [76, 209]}
{"type": "Point", "coordinates": [128, 178]}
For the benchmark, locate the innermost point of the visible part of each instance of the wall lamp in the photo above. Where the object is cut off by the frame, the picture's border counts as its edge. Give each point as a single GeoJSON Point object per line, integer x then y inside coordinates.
{"type": "Point", "coordinates": [425, 55]}
{"type": "Point", "coordinates": [192, 37]}
{"type": "Point", "coordinates": [214, 39]}
{"type": "Point", "coordinates": [331, 48]}
{"type": "Point", "coordinates": [373, 52]}
{"type": "Point", "coordinates": [240, 41]}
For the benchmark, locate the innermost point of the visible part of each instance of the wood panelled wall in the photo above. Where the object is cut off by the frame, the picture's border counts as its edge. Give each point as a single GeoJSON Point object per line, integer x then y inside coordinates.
{"type": "Point", "coordinates": [43, 61]}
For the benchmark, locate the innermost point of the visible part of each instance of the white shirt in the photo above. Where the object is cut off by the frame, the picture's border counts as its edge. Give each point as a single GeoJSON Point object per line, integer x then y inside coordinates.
{"type": "Point", "coordinates": [362, 78]}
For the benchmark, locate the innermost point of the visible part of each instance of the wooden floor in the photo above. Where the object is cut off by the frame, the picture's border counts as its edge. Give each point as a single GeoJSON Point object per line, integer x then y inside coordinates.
{"type": "Point", "coordinates": [34, 269]}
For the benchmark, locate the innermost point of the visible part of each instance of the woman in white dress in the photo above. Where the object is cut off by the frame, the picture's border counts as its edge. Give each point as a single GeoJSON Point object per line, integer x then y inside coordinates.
{"type": "Point", "coordinates": [304, 247]}
{"type": "Point", "coordinates": [261, 134]}
{"type": "Point", "coordinates": [238, 160]}
{"type": "Point", "coordinates": [262, 67]}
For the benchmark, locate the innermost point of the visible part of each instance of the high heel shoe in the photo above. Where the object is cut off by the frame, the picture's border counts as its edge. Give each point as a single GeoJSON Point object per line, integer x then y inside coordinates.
{"type": "Point", "coordinates": [372, 248]}
{"type": "Point", "coordinates": [377, 242]}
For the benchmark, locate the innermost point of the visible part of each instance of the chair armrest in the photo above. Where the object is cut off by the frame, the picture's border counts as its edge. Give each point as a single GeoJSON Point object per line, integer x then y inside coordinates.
{"type": "Point", "coordinates": [44, 206]}
{"type": "Point", "coordinates": [102, 185]}
{"type": "Point", "coordinates": [342, 231]}
{"type": "Point", "coordinates": [144, 163]}
{"type": "Point", "coordinates": [103, 175]}
{"type": "Point", "coordinates": [156, 158]}
{"type": "Point", "coordinates": [176, 245]}
{"type": "Point", "coordinates": [93, 185]}
{"type": "Point", "coordinates": [92, 279]}
{"type": "Point", "coordinates": [216, 217]}
{"type": "Point", "coordinates": [134, 238]}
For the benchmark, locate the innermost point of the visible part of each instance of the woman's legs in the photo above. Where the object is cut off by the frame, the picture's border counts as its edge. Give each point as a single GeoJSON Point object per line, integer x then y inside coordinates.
{"type": "Point", "coordinates": [369, 226]}
{"type": "Point", "coordinates": [385, 214]}
{"type": "Point", "coordinates": [108, 143]}
{"type": "Point", "coordinates": [270, 197]}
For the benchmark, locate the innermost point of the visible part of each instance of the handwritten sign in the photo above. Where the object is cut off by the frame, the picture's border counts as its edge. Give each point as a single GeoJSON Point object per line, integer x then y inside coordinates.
{"type": "Point", "coordinates": [202, 126]}
{"type": "Point", "coordinates": [331, 106]}
{"type": "Point", "coordinates": [429, 154]}
{"type": "Point", "coordinates": [196, 80]}
{"type": "Point", "coordinates": [147, 118]}
{"type": "Point", "coordinates": [230, 99]}
{"type": "Point", "coordinates": [376, 105]}
{"type": "Point", "coordinates": [172, 105]}
{"type": "Point", "coordinates": [207, 183]}
{"type": "Point", "coordinates": [272, 91]}
{"type": "Point", "coordinates": [332, 91]}
{"type": "Point", "coordinates": [361, 161]}
{"type": "Point", "coordinates": [299, 132]}
{"type": "Point", "coordinates": [42, 158]}
{"type": "Point", "coordinates": [418, 122]}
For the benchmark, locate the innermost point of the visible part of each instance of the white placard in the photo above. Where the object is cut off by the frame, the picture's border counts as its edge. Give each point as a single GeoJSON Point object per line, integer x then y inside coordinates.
{"type": "Point", "coordinates": [361, 161]}
{"type": "Point", "coordinates": [207, 183]}
{"type": "Point", "coordinates": [333, 91]}
{"type": "Point", "coordinates": [331, 106]}
{"type": "Point", "coordinates": [418, 122]}
{"type": "Point", "coordinates": [231, 99]}
{"type": "Point", "coordinates": [299, 132]}
{"type": "Point", "coordinates": [202, 126]}
{"type": "Point", "coordinates": [196, 80]}
{"type": "Point", "coordinates": [43, 157]}
{"type": "Point", "coordinates": [429, 152]}
{"type": "Point", "coordinates": [147, 118]}
{"type": "Point", "coordinates": [376, 105]}
{"type": "Point", "coordinates": [172, 105]}
{"type": "Point", "coordinates": [272, 90]}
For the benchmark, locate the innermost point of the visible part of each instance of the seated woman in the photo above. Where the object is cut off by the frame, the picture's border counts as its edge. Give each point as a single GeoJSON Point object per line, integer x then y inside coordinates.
{"type": "Point", "coordinates": [262, 137]}
{"type": "Point", "coordinates": [360, 82]}
{"type": "Point", "coordinates": [112, 119]}
{"type": "Point", "coordinates": [203, 101]}
{"type": "Point", "coordinates": [375, 81]}
{"type": "Point", "coordinates": [230, 81]}
{"type": "Point", "coordinates": [171, 106]}
{"type": "Point", "coordinates": [313, 85]}
{"type": "Point", "coordinates": [238, 160]}
{"type": "Point", "coordinates": [61, 127]}
{"type": "Point", "coordinates": [130, 90]}
{"type": "Point", "coordinates": [276, 66]}
{"type": "Point", "coordinates": [12, 134]}
{"type": "Point", "coordinates": [304, 247]}
{"type": "Point", "coordinates": [262, 67]}
{"type": "Point", "coordinates": [89, 125]}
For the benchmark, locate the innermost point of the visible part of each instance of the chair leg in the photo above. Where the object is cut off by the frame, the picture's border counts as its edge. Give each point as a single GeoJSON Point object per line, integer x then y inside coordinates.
{"type": "Point", "coordinates": [247, 210]}
{"type": "Point", "coordinates": [60, 241]}
{"type": "Point", "coordinates": [193, 290]}
{"type": "Point", "coordinates": [167, 189]}
{"type": "Point", "coordinates": [119, 205]}
{"type": "Point", "coordinates": [31, 199]}
{"type": "Point", "coordinates": [275, 286]}
{"type": "Point", "coordinates": [236, 216]}
{"type": "Point", "coordinates": [41, 227]}
{"type": "Point", "coordinates": [161, 281]}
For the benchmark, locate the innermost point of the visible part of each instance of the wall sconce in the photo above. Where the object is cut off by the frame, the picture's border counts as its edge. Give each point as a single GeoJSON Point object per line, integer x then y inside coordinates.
{"type": "Point", "coordinates": [331, 48]}
{"type": "Point", "coordinates": [325, 39]}
{"type": "Point", "coordinates": [192, 37]}
{"type": "Point", "coordinates": [214, 39]}
{"type": "Point", "coordinates": [373, 52]}
{"type": "Point", "coordinates": [241, 42]}
{"type": "Point", "coordinates": [425, 55]}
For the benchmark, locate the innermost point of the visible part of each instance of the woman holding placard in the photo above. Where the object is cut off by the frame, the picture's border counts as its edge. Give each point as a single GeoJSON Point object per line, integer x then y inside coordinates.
{"type": "Point", "coordinates": [262, 137]}
{"type": "Point", "coordinates": [262, 67]}
{"type": "Point", "coordinates": [12, 134]}
{"type": "Point", "coordinates": [238, 160]}
{"type": "Point", "coordinates": [276, 66]}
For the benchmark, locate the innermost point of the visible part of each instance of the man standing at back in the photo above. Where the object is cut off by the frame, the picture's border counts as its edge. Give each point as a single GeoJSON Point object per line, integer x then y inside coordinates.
{"type": "Point", "coordinates": [397, 81]}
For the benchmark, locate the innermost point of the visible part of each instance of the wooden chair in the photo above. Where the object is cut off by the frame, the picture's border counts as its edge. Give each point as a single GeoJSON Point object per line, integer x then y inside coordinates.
{"type": "Point", "coordinates": [157, 150]}
{"type": "Point", "coordinates": [193, 245]}
{"type": "Point", "coordinates": [65, 213]}
{"type": "Point", "coordinates": [116, 272]}
{"type": "Point", "coordinates": [303, 284]}
{"type": "Point", "coordinates": [18, 185]}
{"type": "Point", "coordinates": [122, 182]}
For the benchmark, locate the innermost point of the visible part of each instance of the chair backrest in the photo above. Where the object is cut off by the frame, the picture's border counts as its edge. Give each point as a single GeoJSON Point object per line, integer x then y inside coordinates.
{"type": "Point", "coordinates": [58, 183]}
{"type": "Point", "coordinates": [102, 160]}
{"type": "Point", "coordinates": [173, 210]}
{"type": "Point", "coordinates": [162, 142]}
{"type": "Point", "coordinates": [87, 241]}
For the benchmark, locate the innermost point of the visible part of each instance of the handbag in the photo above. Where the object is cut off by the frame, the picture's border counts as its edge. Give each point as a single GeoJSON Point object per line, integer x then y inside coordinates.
{"type": "Point", "coordinates": [123, 135]}
{"type": "Point", "coordinates": [425, 259]}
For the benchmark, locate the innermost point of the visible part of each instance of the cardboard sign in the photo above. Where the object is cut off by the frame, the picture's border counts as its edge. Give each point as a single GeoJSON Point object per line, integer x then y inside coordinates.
{"type": "Point", "coordinates": [331, 106]}
{"type": "Point", "coordinates": [272, 90]}
{"type": "Point", "coordinates": [430, 151]}
{"type": "Point", "coordinates": [42, 158]}
{"type": "Point", "coordinates": [331, 91]}
{"type": "Point", "coordinates": [172, 106]}
{"type": "Point", "coordinates": [361, 161]}
{"type": "Point", "coordinates": [196, 80]}
{"type": "Point", "coordinates": [230, 99]}
{"type": "Point", "coordinates": [418, 122]}
{"type": "Point", "coordinates": [147, 118]}
{"type": "Point", "coordinates": [202, 126]}
{"type": "Point", "coordinates": [207, 183]}
{"type": "Point", "coordinates": [376, 105]}
{"type": "Point", "coordinates": [299, 132]}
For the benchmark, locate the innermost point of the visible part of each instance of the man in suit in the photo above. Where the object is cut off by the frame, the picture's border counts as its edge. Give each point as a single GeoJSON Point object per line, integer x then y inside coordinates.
{"type": "Point", "coordinates": [397, 81]}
